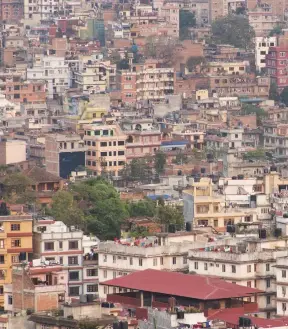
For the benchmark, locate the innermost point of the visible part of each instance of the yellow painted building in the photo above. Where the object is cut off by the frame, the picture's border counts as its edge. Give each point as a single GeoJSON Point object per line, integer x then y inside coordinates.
{"type": "Point", "coordinates": [15, 246]}
{"type": "Point", "coordinates": [209, 208]}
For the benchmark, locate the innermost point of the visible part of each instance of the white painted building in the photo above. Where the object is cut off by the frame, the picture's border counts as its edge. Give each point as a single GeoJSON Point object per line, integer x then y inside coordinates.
{"type": "Point", "coordinates": [262, 45]}
{"type": "Point", "coordinates": [249, 263]}
{"type": "Point", "coordinates": [281, 271]}
{"type": "Point", "coordinates": [37, 10]}
{"type": "Point", "coordinates": [57, 243]}
{"type": "Point", "coordinates": [54, 70]}
{"type": "Point", "coordinates": [166, 252]}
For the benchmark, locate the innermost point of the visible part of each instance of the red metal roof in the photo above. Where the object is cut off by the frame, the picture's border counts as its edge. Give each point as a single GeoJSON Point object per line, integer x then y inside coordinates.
{"type": "Point", "coordinates": [179, 284]}
{"type": "Point", "coordinates": [231, 317]}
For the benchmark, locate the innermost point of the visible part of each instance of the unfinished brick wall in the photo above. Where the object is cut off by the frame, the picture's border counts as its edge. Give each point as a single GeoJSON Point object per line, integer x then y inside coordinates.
{"type": "Point", "coordinates": [28, 293]}
{"type": "Point", "coordinates": [46, 301]}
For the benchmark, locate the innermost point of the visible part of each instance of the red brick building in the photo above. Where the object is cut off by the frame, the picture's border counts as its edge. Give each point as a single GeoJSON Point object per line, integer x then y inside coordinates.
{"type": "Point", "coordinates": [12, 10]}
{"type": "Point", "coordinates": [276, 65]}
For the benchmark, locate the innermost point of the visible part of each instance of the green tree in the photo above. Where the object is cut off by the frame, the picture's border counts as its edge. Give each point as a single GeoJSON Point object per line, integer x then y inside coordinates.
{"type": "Point", "coordinates": [240, 10]}
{"type": "Point", "coordinates": [273, 92]}
{"type": "Point", "coordinates": [284, 96]}
{"type": "Point", "coordinates": [137, 170]}
{"type": "Point", "coordinates": [167, 214]}
{"type": "Point", "coordinates": [233, 30]}
{"type": "Point", "coordinates": [159, 162]}
{"type": "Point", "coordinates": [142, 208]}
{"type": "Point", "coordinates": [252, 109]}
{"type": "Point", "coordinates": [256, 155]}
{"type": "Point", "coordinates": [277, 30]}
{"type": "Point", "coordinates": [17, 188]}
{"type": "Point", "coordinates": [180, 158]}
{"type": "Point", "coordinates": [186, 21]}
{"type": "Point", "coordinates": [193, 62]}
{"type": "Point", "coordinates": [162, 48]}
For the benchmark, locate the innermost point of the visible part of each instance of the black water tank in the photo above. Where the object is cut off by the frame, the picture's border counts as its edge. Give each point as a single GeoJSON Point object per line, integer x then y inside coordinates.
{"type": "Point", "coordinates": [180, 315]}
{"type": "Point", "coordinates": [179, 173]}
{"type": "Point", "coordinates": [203, 170]}
{"type": "Point", "coordinates": [123, 325]}
{"type": "Point", "coordinates": [277, 232]}
{"type": "Point", "coordinates": [90, 298]}
{"type": "Point", "coordinates": [188, 226]}
{"type": "Point", "coordinates": [234, 177]}
{"type": "Point", "coordinates": [266, 171]}
{"type": "Point", "coordinates": [209, 156]}
{"type": "Point", "coordinates": [116, 325]}
{"type": "Point", "coordinates": [262, 234]}
{"type": "Point", "coordinates": [171, 228]}
{"type": "Point", "coordinates": [240, 176]}
{"type": "Point", "coordinates": [231, 228]}
{"type": "Point", "coordinates": [273, 168]}
{"type": "Point", "coordinates": [244, 322]}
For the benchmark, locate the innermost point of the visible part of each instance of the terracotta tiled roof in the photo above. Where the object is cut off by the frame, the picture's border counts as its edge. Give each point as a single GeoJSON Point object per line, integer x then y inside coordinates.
{"type": "Point", "coordinates": [41, 175]}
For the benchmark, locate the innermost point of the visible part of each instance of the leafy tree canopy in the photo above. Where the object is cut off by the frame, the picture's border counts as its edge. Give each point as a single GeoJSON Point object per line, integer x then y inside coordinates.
{"type": "Point", "coordinates": [186, 20]}
{"type": "Point", "coordinates": [233, 30]}
{"type": "Point", "coordinates": [284, 96]}
{"type": "Point", "coordinates": [277, 30]}
{"type": "Point", "coordinates": [193, 62]}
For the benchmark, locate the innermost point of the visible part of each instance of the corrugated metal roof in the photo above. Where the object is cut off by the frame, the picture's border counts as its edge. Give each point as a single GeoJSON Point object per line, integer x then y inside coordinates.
{"type": "Point", "coordinates": [179, 284]}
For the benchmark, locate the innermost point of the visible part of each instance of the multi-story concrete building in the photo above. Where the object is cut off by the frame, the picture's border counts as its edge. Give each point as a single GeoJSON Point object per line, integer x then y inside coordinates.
{"type": "Point", "coordinates": [54, 70]}
{"type": "Point", "coordinates": [262, 45]}
{"type": "Point", "coordinates": [262, 20]}
{"type": "Point", "coordinates": [248, 263]}
{"type": "Point", "coordinates": [143, 137]}
{"type": "Point", "coordinates": [64, 153]}
{"type": "Point", "coordinates": [94, 76]}
{"type": "Point", "coordinates": [154, 83]}
{"type": "Point", "coordinates": [204, 207]}
{"type": "Point", "coordinates": [12, 151]}
{"type": "Point", "coordinates": [106, 150]}
{"type": "Point", "coordinates": [15, 246]}
{"type": "Point", "coordinates": [57, 244]}
{"type": "Point", "coordinates": [166, 252]}
{"type": "Point", "coordinates": [220, 8]}
{"type": "Point", "coordinates": [11, 10]}
{"type": "Point", "coordinates": [278, 8]}
{"type": "Point", "coordinates": [227, 68]}
{"type": "Point", "coordinates": [276, 62]}
{"type": "Point", "coordinates": [127, 84]}
{"type": "Point", "coordinates": [276, 138]}
{"type": "Point", "coordinates": [37, 10]}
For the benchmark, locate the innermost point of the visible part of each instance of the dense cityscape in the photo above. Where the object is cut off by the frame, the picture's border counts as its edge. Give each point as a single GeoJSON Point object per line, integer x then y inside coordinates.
{"type": "Point", "coordinates": [143, 164]}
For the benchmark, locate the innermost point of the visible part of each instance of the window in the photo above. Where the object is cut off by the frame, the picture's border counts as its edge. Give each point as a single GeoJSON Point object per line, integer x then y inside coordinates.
{"type": "Point", "coordinates": [114, 259]}
{"type": "Point", "coordinates": [72, 260]}
{"type": "Point", "coordinates": [268, 300]}
{"type": "Point", "coordinates": [249, 284]}
{"type": "Point", "coordinates": [223, 268]}
{"type": "Point", "coordinates": [92, 288]}
{"type": "Point", "coordinates": [284, 291]}
{"type": "Point", "coordinates": [185, 260]}
{"type": "Point", "coordinates": [174, 260]}
{"type": "Point", "coordinates": [61, 260]}
{"type": "Point", "coordinates": [15, 259]}
{"type": "Point", "coordinates": [1, 290]}
{"type": "Point", "coordinates": [283, 307]}
{"type": "Point", "coordinates": [74, 291]}
{"type": "Point", "coordinates": [10, 300]}
{"type": "Point", "coordinates": [233, 269]}
{"type": "Point", "coordinates": [92, 272]}
{"type": "Point", "coordinates": [103, 144]}
{"type": "Point", "coordinates": [114, 275]}
{"type": "Point", "coordinates": [121, 152]}
{"type": "Point", "coordinates": [205, 266]}
{"type": "Point", "coordinates": [60, 244]}
{"type": "Point", "coordinates": [121, 143]}
{"type": "Point", "coordinates": [248, 268]}
{"type": "Point", "coordinates": [103, 154]}
{"type": "Point", "coordinates": [131, 260]}
{"type": "Point", "coordinates": [267, 267]}
{"type": "Point", "coordinates": [74, 276]}
{"type": "Point", "coordinates": [154, 261]}
{"type": "Point", "coordinates": [104, 258]}
{"type": "Point", "coordinates": [268, 283]}
{"type": "Point", "coordinates": [140, 261]}
{"type": "Point", "coordinates": [283, 274]}
{"type": "Point", "coordinates": [73, 244]}
{"type": "Point", "coordinates": [16, 243]}
{"type": "Point", "coordinates": [15, 227]}
{"type": "Point", "coordinates": [48, 246]}
{"type": "Point", "coordinates": [105, 274]}
{"type": "Point", "coordinates": [2, 260]}
{"type": "Point", "coordinates": [196, 265]}
{"type": "Point", "coordinates": [161, 260]}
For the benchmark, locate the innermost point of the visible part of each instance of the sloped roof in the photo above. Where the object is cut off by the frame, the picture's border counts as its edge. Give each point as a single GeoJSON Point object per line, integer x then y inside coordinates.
{"type": "Point", "coordinates": [179, 284]}
{"type": "Point", "coordinates": [41, 175]}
